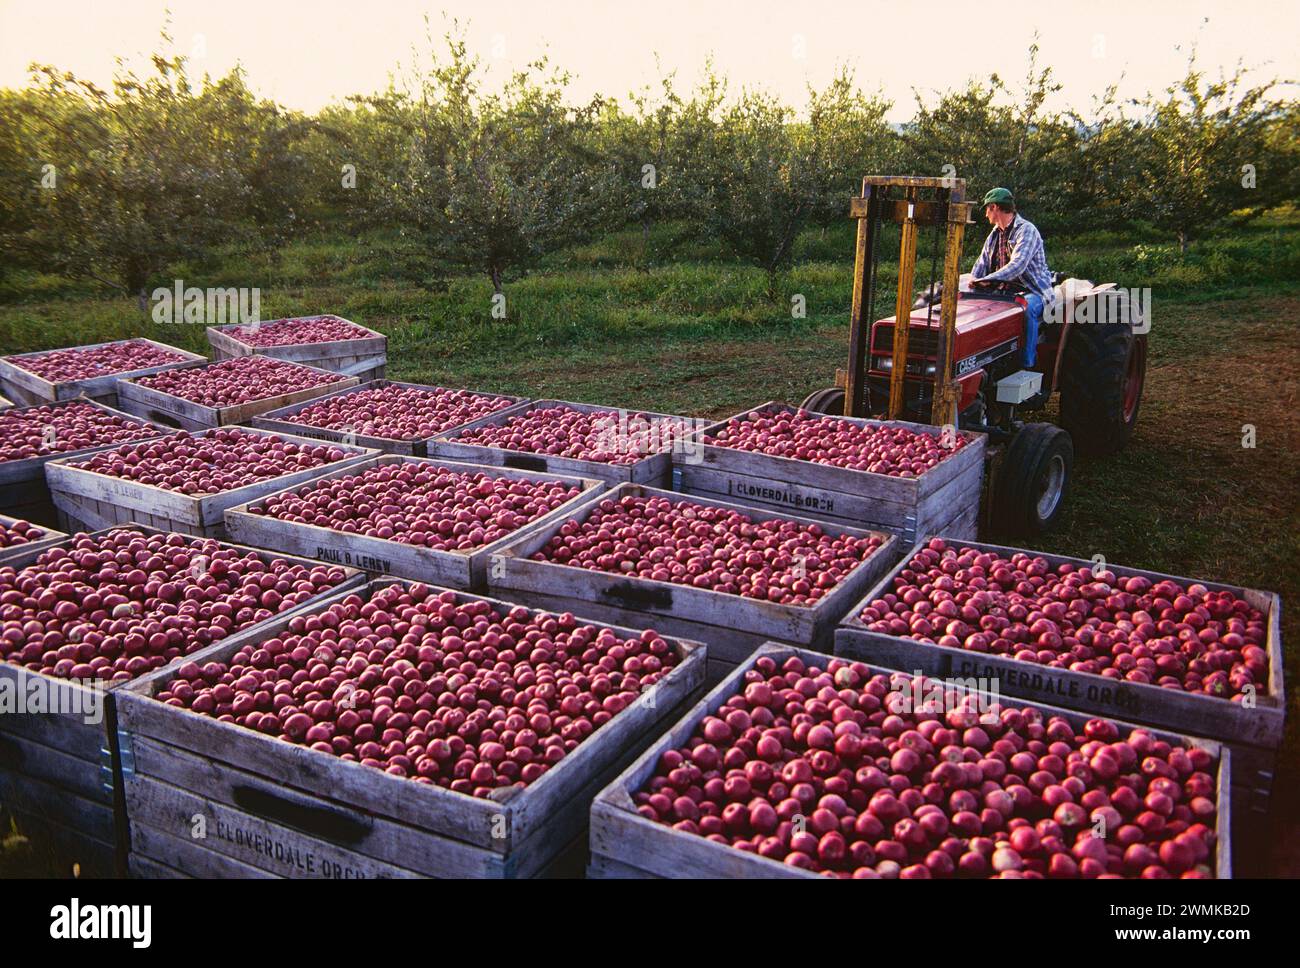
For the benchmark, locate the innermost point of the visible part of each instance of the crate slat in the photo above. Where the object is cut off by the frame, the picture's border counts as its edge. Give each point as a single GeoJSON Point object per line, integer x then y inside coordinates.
{"type": "Point", "coordinates": [180, 857]}
{"type": "Point", "coordinates": [37, 762]}
{"type": "Point", "coordinates": [148, 870]}
{"type": "Point", "coordinates": [602, 868]}
{"type": "Point", "coordinates": [252, 840]}
{"type": "Point", "coordinates": [93, 818]}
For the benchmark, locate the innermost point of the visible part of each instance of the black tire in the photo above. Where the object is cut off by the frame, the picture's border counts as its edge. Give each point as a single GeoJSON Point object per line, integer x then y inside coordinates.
{"type": "Point", "coordinates": [1102, 376]}
{"type": "Point", "coordinates": [829, 401]}
{"type": "Point", "coordinates": [1033, 480]}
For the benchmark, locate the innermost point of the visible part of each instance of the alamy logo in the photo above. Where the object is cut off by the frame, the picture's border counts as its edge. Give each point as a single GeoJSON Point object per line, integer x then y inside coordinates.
{"type": "Point", "coordinates": [207, 307]}
{"type": "Point", "coordinates": [117, 922]}
{"type": "Point", "coordinates": [979, 699]}
{"type": "Point", "coordinates": [1131, 306]}
{"type": "Point", "coordinates": [640, 435]}
{"type": "Point", "coordinates": [31, 695]}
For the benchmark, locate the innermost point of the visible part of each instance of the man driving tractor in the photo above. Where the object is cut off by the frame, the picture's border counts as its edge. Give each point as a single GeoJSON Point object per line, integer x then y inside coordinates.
{"type": "Point", "coordinates": [1014, 259]}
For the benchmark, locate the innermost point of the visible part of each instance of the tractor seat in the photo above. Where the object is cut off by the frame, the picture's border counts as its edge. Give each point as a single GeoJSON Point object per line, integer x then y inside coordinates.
{"type": "Point", "coordinates": [1066, 287]}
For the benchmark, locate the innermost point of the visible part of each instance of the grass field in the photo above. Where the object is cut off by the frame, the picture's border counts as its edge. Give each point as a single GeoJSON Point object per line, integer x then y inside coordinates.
{"type": "Point", "coordinates": [704, 336]}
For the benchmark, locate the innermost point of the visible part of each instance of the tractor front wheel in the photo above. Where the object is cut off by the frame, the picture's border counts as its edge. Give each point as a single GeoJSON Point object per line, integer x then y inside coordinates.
{"type": "Point", "coordinates": [829, 401]}
{"type": "Point", "coordinates": [1032, 480]}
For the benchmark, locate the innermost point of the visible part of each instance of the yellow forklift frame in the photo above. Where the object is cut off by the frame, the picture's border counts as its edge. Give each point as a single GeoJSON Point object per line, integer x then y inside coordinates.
{"type": "Point", "coordinates": [946, 207]}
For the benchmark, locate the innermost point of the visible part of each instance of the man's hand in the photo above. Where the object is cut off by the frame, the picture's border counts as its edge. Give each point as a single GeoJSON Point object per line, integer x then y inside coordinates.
{"type": "Point", "coordinates": [980, 283]}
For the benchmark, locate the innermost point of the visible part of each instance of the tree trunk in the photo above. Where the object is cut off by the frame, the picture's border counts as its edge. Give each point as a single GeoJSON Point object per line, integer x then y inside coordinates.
{"type": "Point", "coordinates": [773, 276]}
{"type": "Point", "coordinates": [143, 297]}
{"type": "Point", "coordinates": [1182, 241]}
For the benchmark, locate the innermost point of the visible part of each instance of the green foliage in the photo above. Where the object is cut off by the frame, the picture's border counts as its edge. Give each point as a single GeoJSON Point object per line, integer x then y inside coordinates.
{"type": "Point", "coordinates": [658, 149]}
{"type": "Point", "coordinates": [991, 136]}
{"type": "Point", "coordinates": [770, 173]}
{"type": "Point", "coordinates": [1212, 148]}
{"type": "Point", "coordinates": [469, 174]}
{"type": "Point", "coordinates": [493, 181]}
{"type": "Point", "coordinates": [157, 170]}
{"type": "Point", "coordinates": [22, 140]}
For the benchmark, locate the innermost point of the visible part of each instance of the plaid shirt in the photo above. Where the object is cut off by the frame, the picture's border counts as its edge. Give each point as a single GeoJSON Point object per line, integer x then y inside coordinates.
{"type": "Point", "coordinates": [1016, 256]}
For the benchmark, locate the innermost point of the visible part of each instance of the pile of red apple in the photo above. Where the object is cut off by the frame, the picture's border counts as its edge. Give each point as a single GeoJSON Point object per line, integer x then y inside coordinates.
{"type": "Point", "coordinates": [1135, 629]}
{"type": "Point", "coordinates": [601, 436]}
{"type": "Point", "coordinates": [211, 462]}
{"type": "Point", "coordinates": [119, 605]}
{"type": "Point", "coordinates": [84, 363]}
{"type": "Point", "coordinates": [850, 774]}
{"type": "Point", "coordinates": [241, 380]}
{"type": "Point", "coordinates": [891, 450]}
{"type": "Point", "coordinates": [420, 503]}
{"type": "Point", "coordinates": [708, 547]}
{"type": "Point", "coordinates": [421, 684]}
{"type": "Point", "coordinates": [399, 413]}
{"type": "Point", "coordinates": [292, 332]}
{"type": "Point", "coordinates": [62, 428]}
{"type": "Point", "coordinates": [19, 533]}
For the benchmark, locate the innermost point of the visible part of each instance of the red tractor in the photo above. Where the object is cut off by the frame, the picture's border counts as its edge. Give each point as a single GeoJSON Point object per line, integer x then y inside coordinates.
{"type": "Point", "coordinates": [1092, 348]}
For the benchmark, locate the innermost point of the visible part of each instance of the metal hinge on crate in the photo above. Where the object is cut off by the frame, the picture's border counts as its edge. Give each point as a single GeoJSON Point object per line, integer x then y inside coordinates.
{"type": "Point", "coordinates": [909, 529]}
{"type": "Point", "coordinates": [106, 769]}
{"type": "Point", "coordinates": [126, 755]}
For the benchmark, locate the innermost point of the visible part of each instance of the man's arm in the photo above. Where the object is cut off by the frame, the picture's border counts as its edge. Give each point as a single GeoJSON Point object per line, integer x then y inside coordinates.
{"type": "Point", "coordinates": [1027, 243]}
{"type": "Point", "coordinates": [981, 265]}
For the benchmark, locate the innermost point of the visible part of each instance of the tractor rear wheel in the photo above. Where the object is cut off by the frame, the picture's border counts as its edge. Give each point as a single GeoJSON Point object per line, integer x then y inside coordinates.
{"type": "Point", "coordinates": [1102, 376]}
{"type": "Point", "coordinates": [1032, 480]}
{"type": "Point", "coordinates": [829, 401]}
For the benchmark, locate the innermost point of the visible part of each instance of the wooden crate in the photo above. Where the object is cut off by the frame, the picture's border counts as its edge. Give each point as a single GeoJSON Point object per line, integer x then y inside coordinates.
{"type": "Point", "coordinates": [366, 358]}
{"type": "Point", "coordinates": [60, 774]}
{"type": "Point", "coordinates": [655, 470]}
{"type": "Point", "coordinates": [282, 421]}
{"type": "Point", "coordinates": [50, 537]}
{"type": "Point", "coordinates": [297, 812]}
{"type": "Point", "coordinates": [89, 501]}
{"type": "Point", "coordinates": [626, 845]}
{"type": "Point", "coordinates": [1254, 735]}
{"type": "Point", "coordinates": [944, 499]}
{"type": "Point", "coordinates": [25, 388]}
{"type": "Point", "coordinates": [732, 626]}
{"type": "Point", "coordinates": [5, 403]}
{"type": "Point", "coordinates": [453, 569]}
{"type": "Point", "coordinates": [176, 411]}
{"type": "Point", "coordinates": [24, 492]}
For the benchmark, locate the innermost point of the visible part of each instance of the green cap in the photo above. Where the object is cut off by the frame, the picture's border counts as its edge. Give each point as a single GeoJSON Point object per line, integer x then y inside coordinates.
{"type": "Point", "coordinates": [997, 195]}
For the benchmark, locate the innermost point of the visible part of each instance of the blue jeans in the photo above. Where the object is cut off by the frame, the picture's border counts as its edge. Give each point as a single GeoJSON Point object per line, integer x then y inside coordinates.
{"type": "Point", "coordinates": [1033, 320]}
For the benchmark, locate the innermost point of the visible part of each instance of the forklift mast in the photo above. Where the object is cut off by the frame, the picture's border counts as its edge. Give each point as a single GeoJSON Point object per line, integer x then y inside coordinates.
{"type": "Point", "coordinates": [911, 202]}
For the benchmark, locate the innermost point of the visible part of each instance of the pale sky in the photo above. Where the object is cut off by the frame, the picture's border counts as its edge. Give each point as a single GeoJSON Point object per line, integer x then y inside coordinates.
{"type": "Point", "coordinates": [307, 54]}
